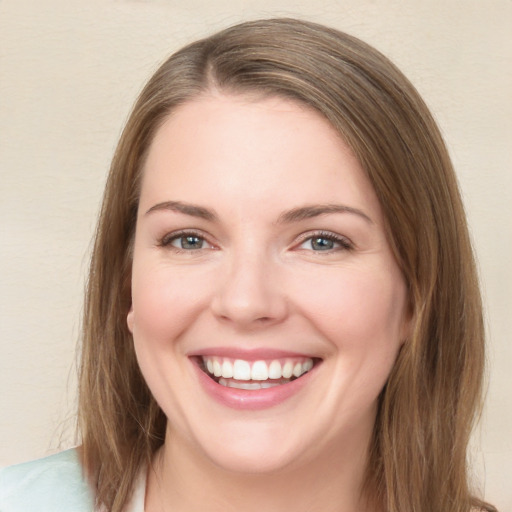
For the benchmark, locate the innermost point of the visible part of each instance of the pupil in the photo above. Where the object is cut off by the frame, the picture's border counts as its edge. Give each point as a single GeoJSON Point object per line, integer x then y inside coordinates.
{"type": "Point", "coordinates": [322, 244]}
{"type": "Point", "coordinates": [190, 242]}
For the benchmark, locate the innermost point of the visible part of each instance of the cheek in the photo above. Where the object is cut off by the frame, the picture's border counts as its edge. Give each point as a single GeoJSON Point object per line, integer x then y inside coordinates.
{"type": "Point", "coordinates": [165, 302]}
{"type": "Point", "coordinates": [357, 309]}
{"type": "Point", "coordinates": [164, 305]}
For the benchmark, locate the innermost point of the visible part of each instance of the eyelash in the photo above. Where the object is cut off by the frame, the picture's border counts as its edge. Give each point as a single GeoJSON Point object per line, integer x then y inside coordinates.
{"type": "Point", "coordinates": [167, 240]}
{"type": "Point", "coordinates": [344, 243]}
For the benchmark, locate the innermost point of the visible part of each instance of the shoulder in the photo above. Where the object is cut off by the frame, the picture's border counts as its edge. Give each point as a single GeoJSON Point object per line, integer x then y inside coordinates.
{"type": "Point", "coordinates": [55, 483]}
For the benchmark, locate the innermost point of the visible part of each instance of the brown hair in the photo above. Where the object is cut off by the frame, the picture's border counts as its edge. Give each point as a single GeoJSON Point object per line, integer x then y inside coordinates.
{"type": "Point", "coordinates": [426, 411]}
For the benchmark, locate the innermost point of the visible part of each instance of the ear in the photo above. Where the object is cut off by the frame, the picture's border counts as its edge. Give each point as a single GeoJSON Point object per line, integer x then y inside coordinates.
{"type": "Point", "coordinates": [130, 319]}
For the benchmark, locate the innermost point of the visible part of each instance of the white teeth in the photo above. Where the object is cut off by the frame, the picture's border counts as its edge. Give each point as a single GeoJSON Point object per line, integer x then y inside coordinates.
{"type": "Point", "coordinates": [266, 385]}
{"type": "Point", "coordinates": [259, 371]}
{"type": "Point", "coordinates": [247, 385]}
{"type": "Point", "coordinates": [287, 370]}
{"type": "Point", "coordinates": [217, 369]}
{"type": "Point", "coordinates": [227, 369]}
{"type": "Point", "coordinates": [297, 370]}
{"type": "Point", "coordinates": [241, 370]}
{"type": "Point", "coordinates": [307, 365]}
{"type": "Point", "coordinates": [274, 370]}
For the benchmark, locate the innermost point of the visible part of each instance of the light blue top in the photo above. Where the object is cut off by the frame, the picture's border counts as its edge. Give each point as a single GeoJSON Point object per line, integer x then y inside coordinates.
{"type": "Point", "coordinates": [53, 484]}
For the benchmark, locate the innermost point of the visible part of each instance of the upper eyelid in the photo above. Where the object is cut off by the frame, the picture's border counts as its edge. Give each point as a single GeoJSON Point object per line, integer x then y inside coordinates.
{"type": "Point", "coordinates": [168, 237]}
{"type": "Point", "coordinates": [324, 233]}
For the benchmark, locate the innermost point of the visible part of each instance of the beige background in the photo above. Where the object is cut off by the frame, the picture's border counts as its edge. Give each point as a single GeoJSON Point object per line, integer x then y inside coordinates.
{"type": "Point", "coordinates": [69, 72]}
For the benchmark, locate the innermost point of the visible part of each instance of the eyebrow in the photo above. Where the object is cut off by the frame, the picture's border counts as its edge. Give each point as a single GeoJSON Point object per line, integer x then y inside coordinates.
{"type": "Point", "coordinates": [186, 208]}
{"type": "Point", "coordinates": [311, 211]}
{"type": "Point", "coordinates": [290, 216]}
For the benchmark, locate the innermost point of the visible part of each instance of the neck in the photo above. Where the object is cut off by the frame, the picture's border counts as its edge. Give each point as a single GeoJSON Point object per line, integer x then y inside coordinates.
{"type": "Point", "coordinates": [183, 480]}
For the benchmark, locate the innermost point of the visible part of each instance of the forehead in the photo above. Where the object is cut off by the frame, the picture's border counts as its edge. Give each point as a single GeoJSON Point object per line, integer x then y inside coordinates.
{"type": "Point", "coordinates": [246, 147]}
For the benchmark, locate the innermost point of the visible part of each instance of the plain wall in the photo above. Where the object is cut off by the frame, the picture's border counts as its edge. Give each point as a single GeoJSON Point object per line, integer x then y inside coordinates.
{"type": "Point", "coordinates": [69, 73]}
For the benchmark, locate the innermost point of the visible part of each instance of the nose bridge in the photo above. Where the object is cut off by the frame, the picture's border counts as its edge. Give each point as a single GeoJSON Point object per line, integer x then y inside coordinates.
{"type": "Point", "coordinates": [248, 290]}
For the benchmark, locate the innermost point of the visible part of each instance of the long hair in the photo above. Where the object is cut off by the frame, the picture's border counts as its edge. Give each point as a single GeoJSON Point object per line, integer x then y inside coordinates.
{"type": "Point", "coordinates": [417, 461]}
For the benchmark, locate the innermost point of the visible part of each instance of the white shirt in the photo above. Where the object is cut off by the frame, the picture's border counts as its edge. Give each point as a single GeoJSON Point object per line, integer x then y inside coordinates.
{"type": "Point", "coordinates": [55, 484]}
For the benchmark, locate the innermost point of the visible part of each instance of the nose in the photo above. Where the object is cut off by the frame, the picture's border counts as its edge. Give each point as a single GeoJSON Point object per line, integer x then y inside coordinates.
{"type": "Point", "coordinates": [248, 294]}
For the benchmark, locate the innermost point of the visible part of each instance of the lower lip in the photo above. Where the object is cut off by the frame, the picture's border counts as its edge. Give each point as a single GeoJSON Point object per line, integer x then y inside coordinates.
{"type": "Point", "coordinates": [254, 399]}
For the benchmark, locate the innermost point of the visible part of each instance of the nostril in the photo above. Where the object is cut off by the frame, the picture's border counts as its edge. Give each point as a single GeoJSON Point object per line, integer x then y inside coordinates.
{"type": "Point", "coordinates": [264, 319]}
{"type": "Point", "coordinates": [246, 315]}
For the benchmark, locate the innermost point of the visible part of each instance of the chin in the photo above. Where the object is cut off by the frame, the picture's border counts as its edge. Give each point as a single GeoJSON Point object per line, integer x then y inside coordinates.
{"type": "Point", "coordinates": [247, 450]}
{"type": "Point", "coordinates": [253, 459]}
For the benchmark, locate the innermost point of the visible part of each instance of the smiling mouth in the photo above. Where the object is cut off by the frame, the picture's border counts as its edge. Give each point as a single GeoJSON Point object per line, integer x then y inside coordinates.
{"type": "Point", "coordinates": [254, 375]}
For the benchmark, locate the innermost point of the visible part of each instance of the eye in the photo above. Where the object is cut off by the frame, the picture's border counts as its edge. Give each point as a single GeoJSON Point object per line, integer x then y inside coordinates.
{"type": "Point", "coordinates": [185, 241]}
{"type": "Point", "coordinates": [189, 242]}
{"type": "Point", "coordinates": [325, 242]}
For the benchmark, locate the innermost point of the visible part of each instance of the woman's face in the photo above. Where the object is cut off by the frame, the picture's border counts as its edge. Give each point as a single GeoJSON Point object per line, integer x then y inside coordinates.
{"type": "Point", "coordinates": [267, 308]}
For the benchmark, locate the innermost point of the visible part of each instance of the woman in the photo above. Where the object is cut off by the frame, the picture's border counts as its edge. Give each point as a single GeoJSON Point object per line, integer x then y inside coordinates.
{"type": "Point", "coordinates": [282, 308]}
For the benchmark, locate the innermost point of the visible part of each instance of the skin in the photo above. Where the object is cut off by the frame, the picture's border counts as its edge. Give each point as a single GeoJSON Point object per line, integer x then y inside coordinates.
{"type": "Point", "coordinates": [257, 281]}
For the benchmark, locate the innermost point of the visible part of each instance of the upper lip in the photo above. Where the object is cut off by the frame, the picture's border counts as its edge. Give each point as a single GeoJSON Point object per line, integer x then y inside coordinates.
{"type": "Point", "coordinates": [251, 354]}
